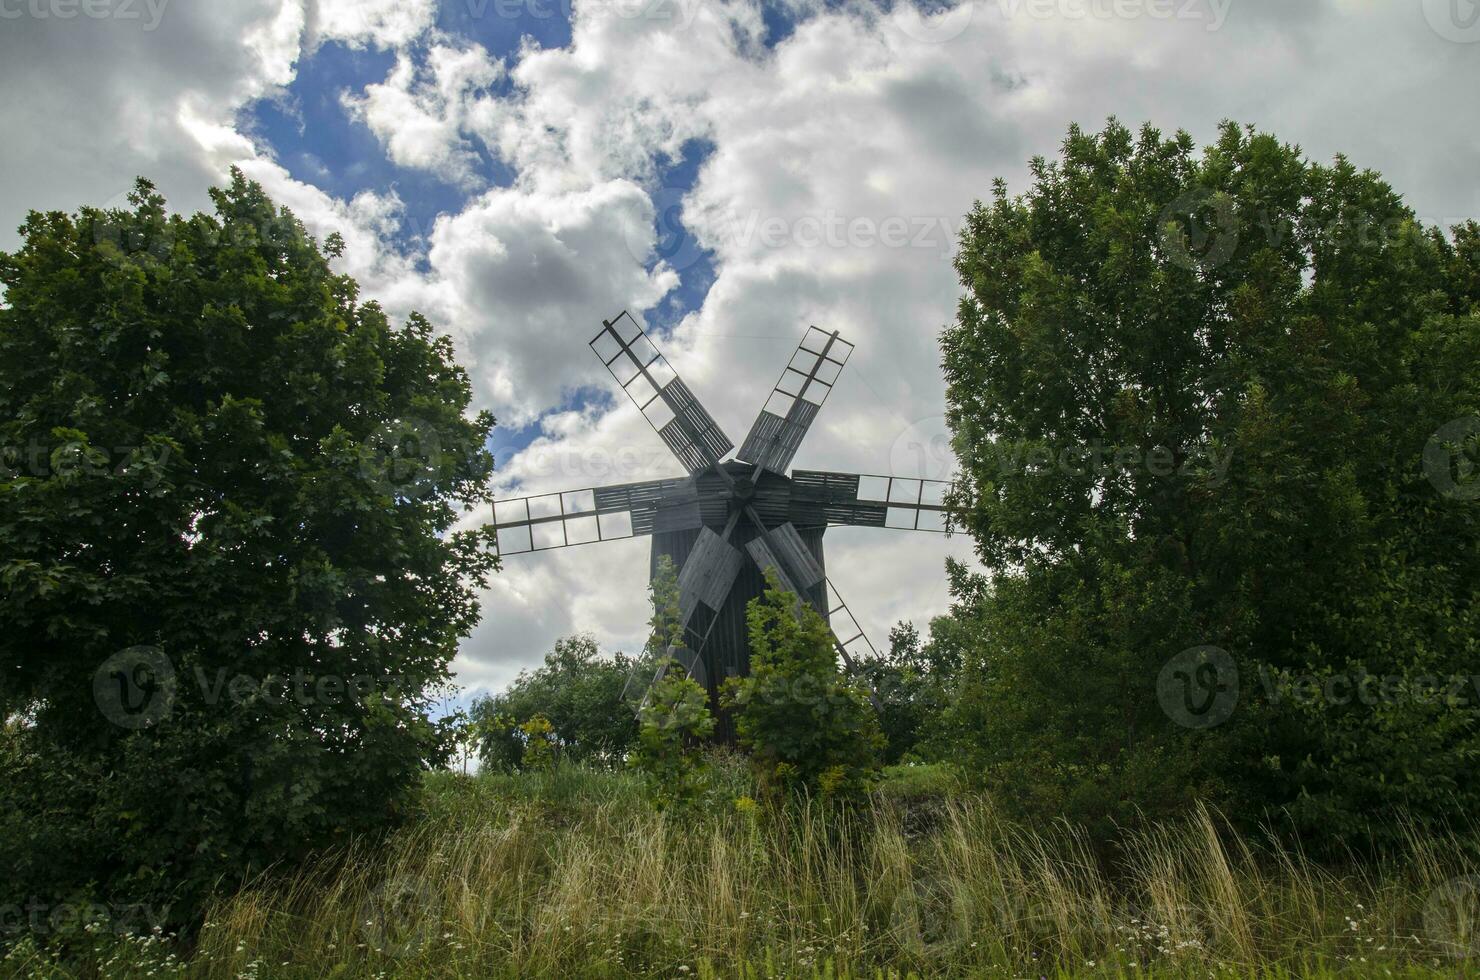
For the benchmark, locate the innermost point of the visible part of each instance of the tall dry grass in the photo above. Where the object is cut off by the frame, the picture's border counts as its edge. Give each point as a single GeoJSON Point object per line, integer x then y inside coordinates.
{"type": "Point", "coordinates": [572, 874]}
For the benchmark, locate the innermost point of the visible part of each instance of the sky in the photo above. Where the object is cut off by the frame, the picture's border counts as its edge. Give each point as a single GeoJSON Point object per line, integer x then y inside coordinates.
{"type": "Point", "coordinates": [729, 172]}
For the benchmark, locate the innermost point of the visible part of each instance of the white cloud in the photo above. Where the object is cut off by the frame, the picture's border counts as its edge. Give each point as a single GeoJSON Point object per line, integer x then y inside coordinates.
{"type": "Point", "coordinates": [528, 277]}
{"type": "Point", "coordinates": [91, 104]}
{"type": "Point", "coordinates": [420, 113]}
{"type": "Point", "coordinates": [358, 23]}
{"type": "Point", "coordinates": [859, 131]}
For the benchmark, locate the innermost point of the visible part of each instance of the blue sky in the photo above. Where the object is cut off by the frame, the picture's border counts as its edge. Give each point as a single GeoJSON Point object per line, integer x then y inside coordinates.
{"type": "Point", "coordinates": [309, 132]}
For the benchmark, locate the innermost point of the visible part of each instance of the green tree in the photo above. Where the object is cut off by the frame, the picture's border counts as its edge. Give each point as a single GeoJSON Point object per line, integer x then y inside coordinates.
{"type": "Point", "coordinates": [1217, 400]}
{"type": "Point", "coordinates": [672, 723]}
{"type": "Point", "coordinates": [673, 715]}
{"type": "Point", "coordinates": [911, 683]}
{"type": "Point", "coordinates": [231, 581]}
{"type": "Point", "coordinates": [541, 750]}
{"type": "Point", "coordinates": [666, 623]}
{"type": "Point", "coordinates": [805, 726]}
{"type": "Point", "coordinates": [578, 691]}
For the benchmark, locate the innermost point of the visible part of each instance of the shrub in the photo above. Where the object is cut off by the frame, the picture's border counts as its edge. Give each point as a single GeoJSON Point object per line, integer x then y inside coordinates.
{"type": "Point", "coordinates": [578, 691]}
{"type": "Point", "coordinates": [672, 724]}
{"type": "Point", "coordinates": [540, 748]}
{"type": "Point", "coordinates": [805, 727]}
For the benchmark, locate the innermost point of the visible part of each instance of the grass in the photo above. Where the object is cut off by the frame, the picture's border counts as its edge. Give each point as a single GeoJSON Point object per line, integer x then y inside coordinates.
{"type": "Point", "coordinates": [571, 874]}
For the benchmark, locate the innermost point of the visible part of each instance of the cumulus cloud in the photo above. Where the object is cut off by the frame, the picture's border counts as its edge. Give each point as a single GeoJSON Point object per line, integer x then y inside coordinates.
{"type": "Point", "coordinates": [421, 112]}
{"type": "Point", "coordinates": [362, 23]}
{"type": "Point", "coordinates": [527, 279]}
{"type": "Point", "coordinates": [93, 103]}
{"type": "Point", "coordinates": [843, 161]}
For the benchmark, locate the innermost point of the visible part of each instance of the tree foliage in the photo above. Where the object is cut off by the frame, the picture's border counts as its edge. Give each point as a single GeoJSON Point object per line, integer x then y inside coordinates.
{"type": "Point", "coordinates": [673, 722]}
{"type": "Point", "coordinates": [541, 751]}
{"type": "Point", "coordinates": [911, 684]}
{"type": "Point", "coordinates": [673, 715]}
{"type": "Point", "coordinates": [231, 580]}
{"type": "Point", "coordinates": [805, 726]}
{"type": "Point", "coordinates": [578, 691]}
{"type": "Point", "coordinates": [1216, 399]}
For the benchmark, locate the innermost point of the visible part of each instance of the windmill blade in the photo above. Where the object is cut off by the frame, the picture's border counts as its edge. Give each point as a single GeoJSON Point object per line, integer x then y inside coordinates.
{"type": "Point", "coordinates": [637, 692]}
{"type": "Point", "coordinates": [665, 401]}
{"type": "Point", "coordinates": [559, 520]}
{"type": "Point", "coordinates": [795, 401]}
{"type": "Point", "coordinates": [707, 574]}
{"type": "Point", "coordinates": [845, 624]}
{"type": "Point", "coordinates": [839, 615]}
{"type": "Point", "coordinates": [820, 498]}
{"type": "Point", "coordinates": [782, 548]}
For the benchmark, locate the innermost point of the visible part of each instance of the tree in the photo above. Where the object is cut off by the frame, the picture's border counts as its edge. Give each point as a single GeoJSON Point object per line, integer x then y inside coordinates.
{"type": "Point", "coordinates": [911, 683]}
{"type": "Point", "coordinates": [673, 709]}
{"type": "Point", "coordinates": [674, 719]}
{"type": "Point", "coordinates": [579, 693]}
{"type": "Point", "coordinates": [1211, 411]}
{"type": "Point", "coordinates": [806, 727]}
{"type": "Point", "coordinates": [231, 581]}
{"type": "Point", "coordinates": [590, 701]}
{"type": "Point", "coordinates": [541, 751]}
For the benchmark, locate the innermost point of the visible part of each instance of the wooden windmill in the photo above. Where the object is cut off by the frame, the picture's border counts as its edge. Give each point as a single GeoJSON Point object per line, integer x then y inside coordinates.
{"type": "Point", "coordinates": [727, 520]}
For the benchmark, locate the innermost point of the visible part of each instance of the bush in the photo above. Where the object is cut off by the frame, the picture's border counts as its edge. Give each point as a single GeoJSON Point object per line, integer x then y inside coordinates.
{"type": "Point", "coordinates": [911, 684]}
{"type": "Point", "coordinates": [805, 727]}
{"type": "Point", "coordinates": [673, 722]}
{"type": "Point", "coordinates": [578, 692]}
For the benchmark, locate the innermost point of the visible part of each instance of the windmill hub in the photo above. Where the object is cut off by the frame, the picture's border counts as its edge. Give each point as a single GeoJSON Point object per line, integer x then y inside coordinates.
{"type": "Point", "coordinates": [744, 488]}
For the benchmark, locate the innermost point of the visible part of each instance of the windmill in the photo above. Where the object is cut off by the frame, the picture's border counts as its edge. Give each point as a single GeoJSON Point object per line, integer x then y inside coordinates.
{"type": "Point", "coordinates": [728, 520]}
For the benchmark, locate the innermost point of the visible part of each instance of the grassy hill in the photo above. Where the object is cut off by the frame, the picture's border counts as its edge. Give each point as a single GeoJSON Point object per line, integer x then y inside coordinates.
{"type": "Point", "coordinates": [571, 873]}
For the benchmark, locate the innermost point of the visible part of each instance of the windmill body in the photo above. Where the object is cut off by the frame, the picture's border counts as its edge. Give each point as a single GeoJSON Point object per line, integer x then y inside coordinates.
{"type": "Point", "coordinates": [720, 634]}
{"type": "Point", "coordinates": [728, 520]}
